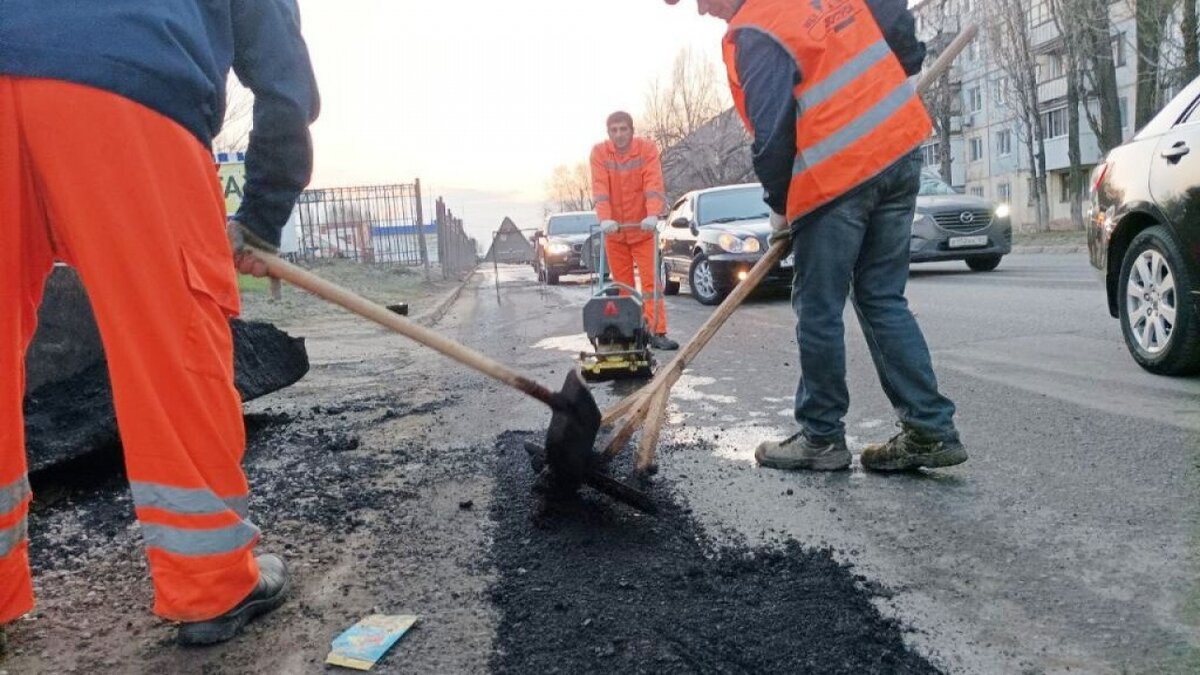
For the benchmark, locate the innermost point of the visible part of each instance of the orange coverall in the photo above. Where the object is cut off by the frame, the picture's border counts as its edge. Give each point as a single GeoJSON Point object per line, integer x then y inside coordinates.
{"type": "Point", "coordinates": [628, 188]}
{"type": "Point", "coordinates": [131, 200]}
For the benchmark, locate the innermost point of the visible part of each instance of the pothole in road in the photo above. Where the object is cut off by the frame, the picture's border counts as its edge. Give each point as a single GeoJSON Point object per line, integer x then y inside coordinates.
{"type": "Point", "coordinates": [600, 588]}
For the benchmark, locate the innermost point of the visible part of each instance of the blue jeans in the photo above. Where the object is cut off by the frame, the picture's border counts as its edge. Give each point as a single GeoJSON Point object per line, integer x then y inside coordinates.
{"type": "Point", "coordinates": [859, 244]}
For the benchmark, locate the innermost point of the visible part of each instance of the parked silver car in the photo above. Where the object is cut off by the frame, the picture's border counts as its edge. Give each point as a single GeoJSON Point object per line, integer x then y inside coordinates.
{"type": "Point", "coordinates": [953, 226]}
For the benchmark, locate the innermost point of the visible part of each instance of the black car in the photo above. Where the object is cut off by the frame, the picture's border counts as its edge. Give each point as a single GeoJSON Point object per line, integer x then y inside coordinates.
{"type": "Point", "coordinates": [559, 245]}
{"type": "Point", "coordinates": [952, 226]}
{"type": "Point", "coordinates": [1144, 235]}
{"type": "Point", "coordinates": [713, 237]}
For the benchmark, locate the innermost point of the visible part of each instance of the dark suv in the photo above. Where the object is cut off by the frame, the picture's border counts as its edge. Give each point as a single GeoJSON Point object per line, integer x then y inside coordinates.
{"type": "Point", "coordinates": [560, 242]}
{"type": "Point", "coordinates": [1144, 235]}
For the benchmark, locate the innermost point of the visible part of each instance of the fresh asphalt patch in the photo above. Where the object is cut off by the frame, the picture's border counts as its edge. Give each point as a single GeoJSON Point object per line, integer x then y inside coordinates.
{"type": "Point", "coordinates": [595, 587]}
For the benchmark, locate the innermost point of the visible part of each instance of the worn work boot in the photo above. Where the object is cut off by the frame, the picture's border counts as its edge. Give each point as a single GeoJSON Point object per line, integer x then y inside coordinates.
{"type": "Point", "coordinates": [800, 452]}
{"type": "Point", "coordinates": [908, 450]}
{"type": "Point", "coordinates": [270, 592]}
{"type": "Point", "coordinates": [663, 343]}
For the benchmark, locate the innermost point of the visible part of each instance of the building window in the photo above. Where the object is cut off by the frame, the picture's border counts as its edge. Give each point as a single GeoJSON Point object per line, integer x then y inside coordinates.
{"type": "Point", "coordinates": [1123, 104]}
{"type": "Point", "coordinates": [1004, 142]}
{"type": "Point", "coordinates": [977, 191]}
{"type": "Point", "coordinates": [973, 51]}
{"type": "Point", "coordinates": [1064, 187]}
{"type": "Point", "coordinates": [1054, 123]}
{"type": "Point", "coordinates": [1004, 192]}
{"type": "Point", "coordinates": [931, 154]}
{"type": "Point", "coordinates": [1056, 65]}
{"type": "Point", "coordinates": [974, 100]}
{"type": "Point", "coordinates": [1118, 49]}
{"type": "Point", "coordinates": [976, 149]}
{"type": "Point", "coordinates": [1001, 94]}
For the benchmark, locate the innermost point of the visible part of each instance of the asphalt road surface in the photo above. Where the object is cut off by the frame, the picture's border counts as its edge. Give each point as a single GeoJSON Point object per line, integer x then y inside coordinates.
{"type": "Point", "coordinates": [393, 481]}
{"type": "Point", "coordinates": [1066, 544]}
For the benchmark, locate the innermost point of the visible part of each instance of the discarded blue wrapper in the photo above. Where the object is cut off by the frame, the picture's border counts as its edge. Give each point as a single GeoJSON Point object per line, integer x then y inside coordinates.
{"type": "Point", "coordinates": [364, 643]}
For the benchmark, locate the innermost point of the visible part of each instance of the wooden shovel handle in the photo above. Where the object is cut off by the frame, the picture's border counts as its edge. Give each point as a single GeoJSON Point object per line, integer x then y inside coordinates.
{"type": "Point", "coordinates": [327, 290]}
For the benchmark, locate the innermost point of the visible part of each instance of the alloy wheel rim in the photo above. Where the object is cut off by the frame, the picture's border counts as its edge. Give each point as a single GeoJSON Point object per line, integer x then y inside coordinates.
{"type": "Point", "coordinates": [704, 279]}
{"type": "Point", "coordinates": [1151, 301]}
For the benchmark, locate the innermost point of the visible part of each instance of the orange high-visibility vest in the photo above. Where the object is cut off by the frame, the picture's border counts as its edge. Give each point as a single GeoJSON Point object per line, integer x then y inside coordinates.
{"type": "Point", "coordinates": [628, 187]}
{"type": "Point", "coordinates": [857, 113]}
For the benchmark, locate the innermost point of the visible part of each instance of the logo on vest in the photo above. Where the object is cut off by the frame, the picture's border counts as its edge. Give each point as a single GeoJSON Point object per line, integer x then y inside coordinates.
{"type": "Point", "coordinates": [838, 16]}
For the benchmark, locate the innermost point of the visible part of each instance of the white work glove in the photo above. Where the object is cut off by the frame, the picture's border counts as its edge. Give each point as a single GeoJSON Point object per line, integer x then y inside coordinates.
{"type": "Point", "coordinates": [781, 229]}
{"type": "Point", "coordinates": [608, 226]}
{"type": "Point", "coordinates": [650, 224]}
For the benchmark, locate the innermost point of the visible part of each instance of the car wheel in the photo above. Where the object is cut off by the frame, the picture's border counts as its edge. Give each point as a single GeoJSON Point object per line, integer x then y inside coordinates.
{"type": "Point", "coordinates": [1158, 319]}
{"type": "Point", "coordinates": [703, 283]}
{"type": "Point", "coordinates": [669, 287]}
{"type": "Point", "coordinates": [983, 263]}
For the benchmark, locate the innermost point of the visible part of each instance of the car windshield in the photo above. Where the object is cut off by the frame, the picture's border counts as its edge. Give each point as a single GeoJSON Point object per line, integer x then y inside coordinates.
{"type": "Point", "coordinates": [726, 206]}
{"type": "Point", "coordinates": [932, 184]}
{"type": "Point", "coordinates": [575, 223]}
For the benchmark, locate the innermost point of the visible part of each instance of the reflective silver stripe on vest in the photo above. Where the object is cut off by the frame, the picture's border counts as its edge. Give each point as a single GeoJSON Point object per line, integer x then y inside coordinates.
{"type": "Point", "coordinates": [601, 198]}
{"type": "Point", "coordinates": [13, 494]}
{"type": "Point", "coordinates": [11, 537]}
{"type": "Point", "coordinates": [854, 131]}
{"type": "Point", "coordinates": [652, 195]}
{"type": "Point", "coordinates": [184, 501]}
{"type": "Point", "coordinates": [624, 166]}
{"type": "Point", "coordinates": [851, 70]}
{"type": "Point", "coordinates": [185, 541]}
{"type": "Point", "coordinates": [239, 505]}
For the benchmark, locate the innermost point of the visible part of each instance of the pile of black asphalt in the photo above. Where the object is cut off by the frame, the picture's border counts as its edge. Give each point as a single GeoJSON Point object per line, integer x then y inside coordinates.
{"type": "Point", "coordinates": [595, 587]}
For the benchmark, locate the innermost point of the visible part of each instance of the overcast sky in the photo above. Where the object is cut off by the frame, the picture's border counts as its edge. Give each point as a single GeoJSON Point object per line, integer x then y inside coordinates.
{"type": "Point", "coordinates": [482, 99]}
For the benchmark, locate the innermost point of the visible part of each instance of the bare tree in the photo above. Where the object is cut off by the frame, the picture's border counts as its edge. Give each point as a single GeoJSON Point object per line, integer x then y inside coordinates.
{"type": "Point", "coordinates": [1065, 14]}
{"type": "Point", "coordinates": [1190, 28]}
{"type": "Point", "coordinates": [1152, 18]}
{"type": "Point", "coordinates": [1088, 40]}
{"type": "Point", "coordinates": [943, 99]}
{"type": "Point", "coordinates": [239, 118]}
{"type": "Point", "coordinates": [703, 140]}
{"type": "Point", "coordinates": [1012, 51]}
{"type": "Point", "coordinates": [570, 189]}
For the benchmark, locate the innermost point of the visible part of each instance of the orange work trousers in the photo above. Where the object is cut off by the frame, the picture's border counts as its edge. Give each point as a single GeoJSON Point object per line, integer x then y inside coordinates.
{"type": "Point", "coordinates": [624, 250]}
{"type": "Point", "coordinates": [131, 200]}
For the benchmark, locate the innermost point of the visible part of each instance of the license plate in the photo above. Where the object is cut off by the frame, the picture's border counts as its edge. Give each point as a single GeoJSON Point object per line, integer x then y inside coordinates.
{"type": "Point", "coordinates": [789, 261]}
{"type": "Point", "coordinates": [968, 242]}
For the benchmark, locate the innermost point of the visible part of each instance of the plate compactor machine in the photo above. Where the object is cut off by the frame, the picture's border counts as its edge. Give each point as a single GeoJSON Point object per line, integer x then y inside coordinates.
{"type": "Point", "coordinates": [615, 325]}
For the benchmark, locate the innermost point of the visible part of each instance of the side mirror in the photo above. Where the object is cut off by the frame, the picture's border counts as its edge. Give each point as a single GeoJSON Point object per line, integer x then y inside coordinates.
{"type": "Point", "coordinates": [681, 223]}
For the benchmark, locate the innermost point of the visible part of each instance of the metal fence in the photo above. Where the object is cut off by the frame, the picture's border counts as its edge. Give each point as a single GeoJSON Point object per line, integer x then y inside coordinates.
{"type": "Point", "coordinates": [382, 224]}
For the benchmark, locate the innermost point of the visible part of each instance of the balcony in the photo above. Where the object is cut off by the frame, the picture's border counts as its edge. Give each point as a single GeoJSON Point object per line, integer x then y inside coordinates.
{"type": "Point", "coordinates": [1052, 90]}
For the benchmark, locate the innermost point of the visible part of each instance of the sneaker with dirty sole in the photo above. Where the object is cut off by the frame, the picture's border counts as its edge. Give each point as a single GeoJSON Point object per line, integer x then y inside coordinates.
{"type": "Point", "coordinates": [907, 451]}
{"type": "Point", "coordinates": [799, 452]}
{"type": "Point", "coordinates": [663, 343]}
{"type": "Point", "coordinates": [269, 594]}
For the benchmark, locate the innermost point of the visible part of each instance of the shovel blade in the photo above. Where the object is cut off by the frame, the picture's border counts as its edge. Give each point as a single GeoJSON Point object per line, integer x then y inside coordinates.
{"type": "Point", "coordinates": [571, 437]}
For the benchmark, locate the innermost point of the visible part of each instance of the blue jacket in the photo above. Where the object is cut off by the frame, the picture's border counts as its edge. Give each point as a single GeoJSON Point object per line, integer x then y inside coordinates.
{"type": "Point", "coordinates": [769, 76]}
{"type": "Point", "coordinates": [173, 56]}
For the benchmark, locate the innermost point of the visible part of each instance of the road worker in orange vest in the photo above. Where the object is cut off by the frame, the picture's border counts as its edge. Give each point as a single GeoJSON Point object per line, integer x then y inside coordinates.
{"type": "Point", "coordinates": [823, 88]}
{"type": "Point", "coordinates": [107, 114]}
{"type": "Point", "coordinates": [627, 186]}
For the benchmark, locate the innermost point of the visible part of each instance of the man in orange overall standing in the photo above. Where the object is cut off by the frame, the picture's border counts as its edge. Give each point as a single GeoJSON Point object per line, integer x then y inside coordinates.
{"type": "Point", "coordinates": [107, 113]}
{"type": "Point", "coordinates": [627, 186]}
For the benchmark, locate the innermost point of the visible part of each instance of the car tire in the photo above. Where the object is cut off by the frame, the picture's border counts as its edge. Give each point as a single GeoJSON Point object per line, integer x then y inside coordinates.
{"type": "Point", "coordinates": [703, 283]}
{"type": "Point", "coordinates": [983, 263]}
{"type": "Point", "coordinates": [669, 287]}
{"type": "Point", "coordinates": [1153, 263]}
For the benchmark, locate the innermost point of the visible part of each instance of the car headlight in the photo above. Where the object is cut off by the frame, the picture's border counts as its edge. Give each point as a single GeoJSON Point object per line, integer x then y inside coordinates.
{"type": "Point", "coordinates": [732, 243]}
{"type": "Point", "coordinates": [557, 248]}
{"type": "Point", "coordinates": [1002, 211]}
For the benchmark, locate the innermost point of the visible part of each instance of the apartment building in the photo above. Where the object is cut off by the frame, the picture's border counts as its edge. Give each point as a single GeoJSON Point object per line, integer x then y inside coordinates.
{"type": "Point", "coordinates": [987, 139]}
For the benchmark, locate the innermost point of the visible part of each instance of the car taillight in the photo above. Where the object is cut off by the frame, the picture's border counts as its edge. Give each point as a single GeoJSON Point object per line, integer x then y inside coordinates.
{"type": "Point", "coordinates": [1098, 175]}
